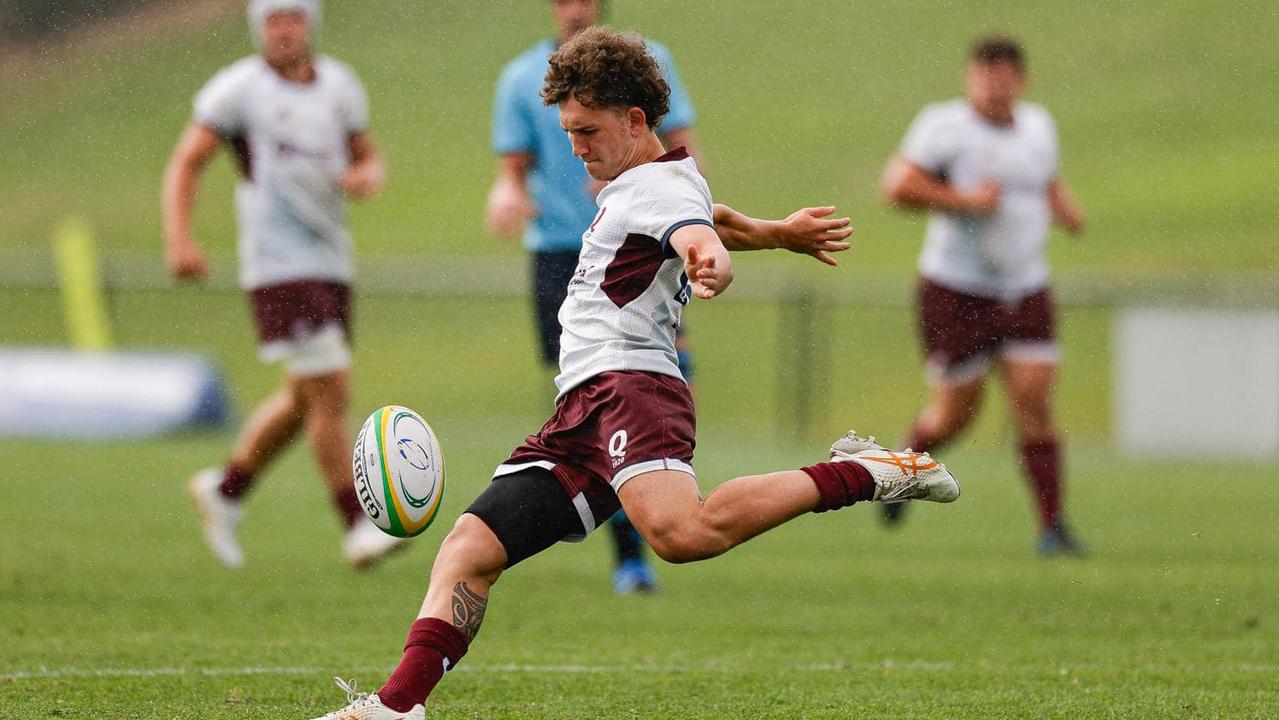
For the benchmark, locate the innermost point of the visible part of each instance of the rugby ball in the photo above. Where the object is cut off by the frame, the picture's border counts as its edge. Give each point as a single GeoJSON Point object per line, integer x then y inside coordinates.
{"type": "Point", "coordinates": [399, 471]}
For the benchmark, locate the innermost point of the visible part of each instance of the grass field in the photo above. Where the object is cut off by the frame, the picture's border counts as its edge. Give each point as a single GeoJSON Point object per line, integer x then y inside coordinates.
{"type": "Point", "coordinates": [120, 613]}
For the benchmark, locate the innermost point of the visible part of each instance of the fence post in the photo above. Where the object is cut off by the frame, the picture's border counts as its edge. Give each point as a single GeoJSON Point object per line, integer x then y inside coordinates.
{"type": "Point", "coordinates": [804, 367]}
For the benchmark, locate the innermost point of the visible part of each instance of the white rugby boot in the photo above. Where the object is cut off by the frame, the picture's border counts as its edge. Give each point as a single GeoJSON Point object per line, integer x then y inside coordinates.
{"type": "Point", "coordinates": [366, 706]}
{"type": "Point", "coordinates": [898, 476]}
{"type": "Point", "coordinates": [365, 544]}
{"type": "Point", "coordinates": [220, 515]}
{"type": "Point", "coordinates": [852, 443]}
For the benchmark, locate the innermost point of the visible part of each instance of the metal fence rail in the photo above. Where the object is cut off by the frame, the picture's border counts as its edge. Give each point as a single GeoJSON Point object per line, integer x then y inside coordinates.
{"type": "Point", "coordinates": [507, 276]}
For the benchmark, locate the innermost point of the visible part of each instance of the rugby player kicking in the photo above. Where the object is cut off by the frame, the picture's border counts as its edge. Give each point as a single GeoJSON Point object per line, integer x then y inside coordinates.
{"type": "Point", "coordinates": [622, 434]}
{"type": "Point", "coordinates": [298, 124]}
{"type": "Point", "coordinates": [543, 190]}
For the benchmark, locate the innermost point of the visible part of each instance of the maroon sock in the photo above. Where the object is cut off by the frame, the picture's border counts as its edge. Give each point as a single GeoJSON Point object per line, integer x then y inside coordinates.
{"type": "Point", "coordinates": [1041, 462]}
{"type": "Point", "coordinates": [840, 484]}
{"type": "Point", "coordinates": [433, 648]}
{"type": "Point", "coordinates": [348, 504]}
{"type": "Point", "coordinates": [236, 481]}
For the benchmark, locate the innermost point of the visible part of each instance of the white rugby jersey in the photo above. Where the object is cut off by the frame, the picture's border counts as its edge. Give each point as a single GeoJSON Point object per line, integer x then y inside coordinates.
{"type": "Point", "coordinates": [628, 293]}
{"type": "Point", "coordinates": [1000, 255]}
{"type": "Point", "coordinates": [291, 142]}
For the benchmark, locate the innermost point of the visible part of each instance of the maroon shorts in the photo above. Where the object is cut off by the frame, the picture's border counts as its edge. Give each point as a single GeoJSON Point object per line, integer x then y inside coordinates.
{"type": "Point", "coordinates": [608, 430]}
{"type": "Point", "coordinates": [295, 310]}
{"type": "Point", "coordinates": [962, 332]}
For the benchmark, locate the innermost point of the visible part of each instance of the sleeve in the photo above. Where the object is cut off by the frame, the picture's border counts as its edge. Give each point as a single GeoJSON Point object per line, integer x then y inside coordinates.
{"type": "Point", "coordinates": [220, 103]}
{"type": "Point", "coordinates": [663, 205]}
{"type": "Point", "coordinates": [1054, 151]}
{"type": "Point", "coordinates": [513, 127]}
{"type": "Point", "coordinates": [681, 114]}
{"type": "Point", "coordinates": [928, 143]}
{"type": "Point", "coordinates": [357, 106]}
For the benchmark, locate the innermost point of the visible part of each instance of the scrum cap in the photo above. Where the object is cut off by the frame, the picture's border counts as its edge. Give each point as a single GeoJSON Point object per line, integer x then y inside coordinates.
{"type": "Point", "coordinates": [260, 10]}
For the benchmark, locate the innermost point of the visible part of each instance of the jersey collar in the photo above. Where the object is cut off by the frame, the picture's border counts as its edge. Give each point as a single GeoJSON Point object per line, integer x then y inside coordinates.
{"type": "Point", "coordinates": [675, 155]}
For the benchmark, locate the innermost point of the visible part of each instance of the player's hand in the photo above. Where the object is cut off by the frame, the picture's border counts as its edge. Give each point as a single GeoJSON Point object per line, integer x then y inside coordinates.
{"type": "Point", "coordinates": [1074, 223]}
{"type": "Point", "coordinates": [710, 273]}
{"type": "Point", "coordinates": [186, 261]}
{"type": "Point", "coordinates": [1071, 218]}
{"type": "Point", "coordinates": [362, 181]}
{"type": "Point", "coordinates": [811, 231]}
{"type": "Point", "coordinates": [984, 200]}
{"type": "Point", "coordinates": [508, 210]}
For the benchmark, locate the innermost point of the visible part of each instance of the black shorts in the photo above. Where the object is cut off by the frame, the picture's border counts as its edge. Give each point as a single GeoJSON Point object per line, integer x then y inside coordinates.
{"type": "Point", "coordinates": [551, 274]}
{"type": "Point", "coordinates": [528, 512]}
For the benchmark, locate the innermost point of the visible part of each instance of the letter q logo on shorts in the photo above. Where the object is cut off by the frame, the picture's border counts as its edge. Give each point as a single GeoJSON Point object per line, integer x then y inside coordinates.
{"type": "Point", "coordinates": [617, 447]}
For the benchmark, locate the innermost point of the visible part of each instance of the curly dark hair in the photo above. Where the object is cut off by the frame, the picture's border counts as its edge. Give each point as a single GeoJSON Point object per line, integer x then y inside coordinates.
{"type": "Point", "coordinates": [603, 68]}
{"type": "Point", "coordinates": [996, 49]}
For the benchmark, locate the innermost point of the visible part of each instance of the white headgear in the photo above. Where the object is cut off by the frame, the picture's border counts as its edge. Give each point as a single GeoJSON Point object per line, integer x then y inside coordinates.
{"type": "Point", "coordinates": [260, 10]}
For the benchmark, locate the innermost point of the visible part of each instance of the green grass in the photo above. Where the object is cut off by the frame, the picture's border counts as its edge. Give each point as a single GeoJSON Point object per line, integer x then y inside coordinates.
{"type": "Point", "coordinates": [954, 617]}
{"type": "Point", "coordinates": [1165, 114]}
{"type": "Point", "coordinates": [831, 617]}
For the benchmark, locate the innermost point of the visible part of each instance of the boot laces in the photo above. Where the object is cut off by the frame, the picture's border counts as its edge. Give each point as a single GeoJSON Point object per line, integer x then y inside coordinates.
{"type": "Point", "coordinates": [352, 695]}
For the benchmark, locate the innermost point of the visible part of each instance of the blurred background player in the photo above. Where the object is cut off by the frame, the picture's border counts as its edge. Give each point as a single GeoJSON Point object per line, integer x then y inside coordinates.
{"type": "Point", "coordinates": [298, 124]}
{"type": "Point", "coordinates": [542, 190]}
{"type": "Point", "coordinates": [987, 168]}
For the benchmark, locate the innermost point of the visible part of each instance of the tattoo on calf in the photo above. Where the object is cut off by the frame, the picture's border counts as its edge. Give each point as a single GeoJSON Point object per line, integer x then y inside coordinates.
{"type": "Point", "coordinates": [468, 609]}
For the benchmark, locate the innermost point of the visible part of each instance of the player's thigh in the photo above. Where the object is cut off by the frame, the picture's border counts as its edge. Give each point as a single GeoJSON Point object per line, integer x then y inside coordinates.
{"type": "Point", "coordinates": [328, 391]}
{"type": "Point", "coordinates": [661, 502]}
{"type": "Point", "coordinates": [1029, 354]}
{"type": "Point", "coordinates": [527, 511]}
{"type": "Point", "coordinates": [958, 334]}
{"type": "Point", "coordinates": [953, 404]}
{"type": "Point", "coordinates": [552, 272]}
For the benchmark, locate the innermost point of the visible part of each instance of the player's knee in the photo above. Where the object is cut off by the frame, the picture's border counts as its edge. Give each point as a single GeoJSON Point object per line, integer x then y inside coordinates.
{"type": "Point", "coordinates": [1033, 413]}
{"type": "Point", "coordinates": [324, 394]}
{"type": "Point", "coordinates": [471, 548]}
{"type": "Point", "coordinates": [954, 418]}
{"type": "Point", "coordinates": [1035, 426]}
{"type": "Point", "coordinates": [290, 398]}
{"type": "Point", "coordinates": [687, 542]}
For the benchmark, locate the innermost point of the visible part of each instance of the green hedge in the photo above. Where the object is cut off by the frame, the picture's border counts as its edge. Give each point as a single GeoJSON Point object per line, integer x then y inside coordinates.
{"type": "Point", "coordinates": [36, 18]}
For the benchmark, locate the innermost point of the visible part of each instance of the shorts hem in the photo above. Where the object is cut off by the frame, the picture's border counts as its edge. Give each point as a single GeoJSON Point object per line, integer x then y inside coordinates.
{"type": "Point", "coordinates": [940, 375]}
{"type": "Point", "coordinates": [648, 466]}
{"type": "Point", "coordinates": [585, 514]}
{"type": "Point", "coordinates": [323, 351]}
{"type": "Point", "coordinates": [1031, 351]}
{"type": "Point", "coordinates": [512, 468]}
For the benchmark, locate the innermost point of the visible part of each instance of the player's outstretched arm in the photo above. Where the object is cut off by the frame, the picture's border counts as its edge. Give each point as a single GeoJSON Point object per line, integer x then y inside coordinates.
{"type": "Point", "coordinates": [367, 172]}
{"type": "Point", "coordinates": [809, 231]}
{"type": "Point", "coordinates": [1065, 208]}
{"type": "Point", "coordinates": [706, 261]}
{"type": "Point", "coordinates": [181, 184]}
{"type": "Point", "coordinates": [907, 185]}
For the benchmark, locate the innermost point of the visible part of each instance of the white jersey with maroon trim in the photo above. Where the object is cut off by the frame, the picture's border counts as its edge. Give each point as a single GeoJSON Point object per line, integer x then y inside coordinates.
{"type": "Point", "coordinates": [999, 256]}
{"type": "Point", "coordinates": [291, 141]}
{"type": "Point", "coordinates": [627, 295]}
